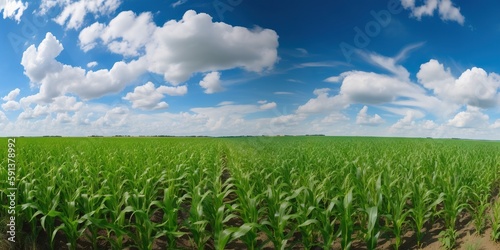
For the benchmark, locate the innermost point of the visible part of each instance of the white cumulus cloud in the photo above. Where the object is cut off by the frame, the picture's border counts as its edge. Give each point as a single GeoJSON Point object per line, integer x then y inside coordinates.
{"type": "Point", "coordinates": [57, 79]}
{"type": "Point", "coordinates": [63, 118]}
{"type": "Point", "coordinates": [116, 117]}
{"type": "Point", "coordinates": [447, 11]}
{"type": "Point", "coordinates": [211, 83]}
{"type": "Point", "coordinates": [3, 119]}
{"type": "Point", "coordinates": [323, 102]}
{"type": "Point", "coordinates": [74, 12]}
{"type": "Point", "coordinates": [226, 117]}
{"type": "Point", "coordinates": [285, 120]}
{"type": "Point", "coordinates": [408, 121]}
{"type": "Point", "coordinates": [364, 119]}
{"type": "Point", "coordinates": [474, 87]}
{"type": "Point", "coordinates": [178, 49]}
{"type": "Point", "coordinates": [61, 104]}
{"type": "Point", "coordinates": [373, 88]}
{"type": "Point", "coordinates": [174, 90]}
{"type": "Point", "coordinates": [10, 103]}
{"type": "Point", "coordinates": [13, 9]}
{"type": "Point", "coordinates": [12, 95]}
{"type": "Point", "coordinates": [149, 97]}
{"type": "Point", "coordinates": [472, 117]}
{"type": "Point", "coordinates": [88, 36]}
{"type": "Point", "coordinates": [437, 91]}
{"type": "Point", "coordinates": [267, 106]}
{"type": "Point", "coordinates": [197, 44]}
{"type": "Point", "coordinates": [126, 34]}
{"type": "Point", "coordinates": [496, 124]}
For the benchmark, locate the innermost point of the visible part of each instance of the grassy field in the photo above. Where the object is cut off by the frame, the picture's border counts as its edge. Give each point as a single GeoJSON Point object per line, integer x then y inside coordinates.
{"type": "Point", "coordinates": [251, 193]}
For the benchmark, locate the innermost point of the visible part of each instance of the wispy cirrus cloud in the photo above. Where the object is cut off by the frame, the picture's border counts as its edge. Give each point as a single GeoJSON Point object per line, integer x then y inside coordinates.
{"type": "Point", "coordinates": [178, 3]}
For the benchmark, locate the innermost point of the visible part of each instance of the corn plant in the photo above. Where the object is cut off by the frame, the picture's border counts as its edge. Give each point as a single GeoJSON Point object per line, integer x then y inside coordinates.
{"type": "Point", "coordinates": [115, 234]}
{"type": "Point", "coordinates": [47, 208]}
{"type": "Point", "coordinates": [397, 195]}
{"type": "Point", "coordinates": [250, 210]}
{"type": "Point", "coordinates": [495, 221]}
{"type": "Point", "coordinates": [28, 191]}
{"type": "Point", "coordinates": [448, 238]}
{"type": "Point", "coordinates": [72, 224]}
{"type": "Point", "coordinates": [327, 219]}
{"type": "Point", "coordinates": [346, 215]}
{"type": "Point", "coordinates": [92, 206]}
{"type": "Point", "coordinates": [369, 200]}
{"type": "Point", "coordinates": [141, 229]}
{"type": "Point", "coordinates": [115, 218]}
{"type": "Point", "coordinates": [424, 202]}
{"type": "Point", "coordinates": [453, 206]}
{"type": "Point", "coordinates": [478, 209]}
{"type": "Point", "coordinates": [371, 231]}
{"type": "Point", "coordinates": [307, 202]}
{"type": "Point", "coordinates": [145, 230]}
{"type": "Point", "coordinates": [170, 206]}
{"type": "Point", "coordinates": [279, 214]}
{"type": "Point", "coordinates": [219, 212]}
{"type": "Point", "coordinates": [197, 222]}
{"type": "Point", "coordinates": [479, 198]}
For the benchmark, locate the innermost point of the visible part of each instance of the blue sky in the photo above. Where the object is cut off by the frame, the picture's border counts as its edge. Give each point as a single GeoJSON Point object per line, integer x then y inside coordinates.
{"type": "Point", "coordinates": [239, 67]}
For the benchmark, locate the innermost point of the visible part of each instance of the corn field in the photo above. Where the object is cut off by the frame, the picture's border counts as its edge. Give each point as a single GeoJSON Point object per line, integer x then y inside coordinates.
{"type": "Point", "coordinates": [250, 193]}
